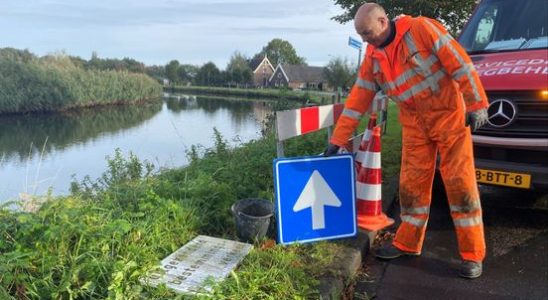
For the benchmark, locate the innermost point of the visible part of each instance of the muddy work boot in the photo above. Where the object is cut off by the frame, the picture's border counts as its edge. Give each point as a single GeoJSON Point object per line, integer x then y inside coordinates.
{"type": "Point", "coordinates": [390, 251]}
{"type": "Point", "coordinates": [470, 269]}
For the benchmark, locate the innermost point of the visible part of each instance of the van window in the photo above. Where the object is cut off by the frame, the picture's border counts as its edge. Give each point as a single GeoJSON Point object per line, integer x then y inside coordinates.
{"type": "Point", "coordinates": [507, 25]}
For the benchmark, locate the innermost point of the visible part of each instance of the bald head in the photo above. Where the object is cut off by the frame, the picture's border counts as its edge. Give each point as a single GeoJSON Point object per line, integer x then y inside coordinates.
{"type": "Point", "coordinates": [369, 10]}
{"type": "Point", "coordinates": [372, 24]}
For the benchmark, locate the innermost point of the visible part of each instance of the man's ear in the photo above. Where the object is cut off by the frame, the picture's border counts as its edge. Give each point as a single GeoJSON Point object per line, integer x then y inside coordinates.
{"type": "Point", "coordinates": [384, 21]}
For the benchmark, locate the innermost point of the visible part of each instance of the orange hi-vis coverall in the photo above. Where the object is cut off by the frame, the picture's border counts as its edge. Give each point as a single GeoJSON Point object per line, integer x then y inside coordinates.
{"type": "Point", "coordinates": [433, 81]}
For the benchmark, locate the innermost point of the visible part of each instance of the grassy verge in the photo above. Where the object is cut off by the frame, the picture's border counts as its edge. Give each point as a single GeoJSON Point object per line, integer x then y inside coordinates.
{"type": "Point", "coordinates": [98, 242]}
{"type": "Point", "coordinates": [302, 96]}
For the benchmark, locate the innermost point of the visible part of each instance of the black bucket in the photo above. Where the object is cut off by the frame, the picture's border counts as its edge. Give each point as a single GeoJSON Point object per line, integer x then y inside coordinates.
{"type": "Point", "coordinates": [252, 218]}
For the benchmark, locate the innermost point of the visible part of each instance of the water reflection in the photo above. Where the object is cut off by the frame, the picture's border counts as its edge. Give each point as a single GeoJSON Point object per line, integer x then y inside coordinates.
{"type": "Point", "coordinates": [240, 110]}
{"type": "Point", "coordinates": [78, 142]}
{"type": "Point", "coordinates": [24, 137]}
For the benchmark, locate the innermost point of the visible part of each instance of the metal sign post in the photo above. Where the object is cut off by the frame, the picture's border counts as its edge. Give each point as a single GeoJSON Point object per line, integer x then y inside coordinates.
{"type": "Point", "coordinates": [356, 44]}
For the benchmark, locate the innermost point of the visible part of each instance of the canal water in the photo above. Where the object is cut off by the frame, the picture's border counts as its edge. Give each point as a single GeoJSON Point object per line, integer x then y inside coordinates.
{"type": "Point", "coordinates": [42, 152]}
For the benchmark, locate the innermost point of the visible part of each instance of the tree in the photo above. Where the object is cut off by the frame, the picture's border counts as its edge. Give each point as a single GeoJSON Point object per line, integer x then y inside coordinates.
{"type": "Point", "coordinates": [132, 65]}
{"type": "Point", "coordinates": [339, 73]}
{"type": "Point", "coordinates": [453, 14]}
{"type": "Point", "coordinates": [172, 71]}
{"type": "Point", "coordinates": [16, 55]}
{"type": "Point", "coordinates": [78, 61]}
{"type": "Point", "coordinates": [280, 51]}
{"type": "Point", "coordinates": [238, 70]}
{"type": "Point", "coordinates": [187, 73]}
{"type": "Point", "coordinates": [208, 74]}
{"type": "Point", "coordinates": [125, 64]}
{"type": "Point", "coordinates": [156, 72]}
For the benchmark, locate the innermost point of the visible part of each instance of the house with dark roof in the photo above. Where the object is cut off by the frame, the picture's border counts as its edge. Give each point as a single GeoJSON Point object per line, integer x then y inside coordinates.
{"type": "Point", "coordinates": [262, 70]}
{"type": "Point", "coordinates": [298, 77]}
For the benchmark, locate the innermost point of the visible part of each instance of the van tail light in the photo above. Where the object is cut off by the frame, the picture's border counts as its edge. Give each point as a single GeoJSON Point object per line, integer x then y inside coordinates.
{"type": "Point", "coordinates": [544, 95]}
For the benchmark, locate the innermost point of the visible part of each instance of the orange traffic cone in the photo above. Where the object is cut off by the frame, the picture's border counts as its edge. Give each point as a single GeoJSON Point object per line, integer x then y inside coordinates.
{"type": "Point", "coordinates": [360, 154]}
{"type": "Point", "coordinates": [368, 187]}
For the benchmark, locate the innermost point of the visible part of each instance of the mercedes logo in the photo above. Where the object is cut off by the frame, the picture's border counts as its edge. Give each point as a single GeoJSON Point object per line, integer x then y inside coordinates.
{"type": "Point", "coordinates": [502, 113]}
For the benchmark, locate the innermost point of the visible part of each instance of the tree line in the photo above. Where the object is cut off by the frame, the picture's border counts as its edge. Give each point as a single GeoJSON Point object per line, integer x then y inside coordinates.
{"type": "Point", "coordinates": [238, 71]}
{"type": "Point", "coordinates": [339, 72]}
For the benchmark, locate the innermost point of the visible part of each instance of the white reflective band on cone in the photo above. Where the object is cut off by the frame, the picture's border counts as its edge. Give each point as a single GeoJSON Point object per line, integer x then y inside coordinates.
{"type": "Point", "coordinates": [373, 160]}
{"type": "Point", "coordinates": [360, 156]}
{"type": "Point", "coordinates": [368, 192]}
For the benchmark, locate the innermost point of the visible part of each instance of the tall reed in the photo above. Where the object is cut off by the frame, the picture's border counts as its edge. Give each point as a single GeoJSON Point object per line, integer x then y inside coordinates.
{"type": "Point", "coordinates": [53, 83]}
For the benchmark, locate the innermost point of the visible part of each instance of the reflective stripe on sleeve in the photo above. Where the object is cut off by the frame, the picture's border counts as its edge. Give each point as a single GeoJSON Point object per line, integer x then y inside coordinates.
{"type": "Point", "coordinates": [467, 222]}
{"type": "Point", "coordinates": [464, 70]}
{"type": "Point", "coordinates": [442, 41]}
{"type": "Point", "coordinates": [356, 115]}
{"type": "Point", "coordinates": [413, 221]}
{"type": "Point", "coordinates": [366, 84]}
{"type": "Point", "coordinates": [445, 39]}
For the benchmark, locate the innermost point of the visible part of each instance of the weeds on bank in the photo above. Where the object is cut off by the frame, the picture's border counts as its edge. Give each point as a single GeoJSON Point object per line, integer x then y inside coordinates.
{"type": "Point", "coordinates": [99, 241]}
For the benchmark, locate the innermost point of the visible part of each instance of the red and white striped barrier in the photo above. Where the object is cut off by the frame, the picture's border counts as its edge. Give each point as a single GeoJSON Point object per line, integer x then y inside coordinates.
{"type": "Point", "coordinates": [362, 149]}
{"type": "Point", "coordinates": [291, 123]}
{"type": "Point", "coordinates": [369, 189]}
{"type": "Point", "coordinates": [379, 103]}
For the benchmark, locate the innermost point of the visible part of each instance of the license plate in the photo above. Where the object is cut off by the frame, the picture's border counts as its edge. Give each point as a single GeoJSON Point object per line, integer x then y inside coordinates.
{"type": "Point", "coordinates": [517, 180]}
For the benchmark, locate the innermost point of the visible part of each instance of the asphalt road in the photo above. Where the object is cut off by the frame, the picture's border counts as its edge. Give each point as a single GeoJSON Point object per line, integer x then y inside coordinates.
{"type": "Point", "coordinates": [516, 267]}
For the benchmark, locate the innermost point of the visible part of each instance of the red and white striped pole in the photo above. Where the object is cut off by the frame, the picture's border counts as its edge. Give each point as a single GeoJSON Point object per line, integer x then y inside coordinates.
{"type": "Point", "coordinates": [369, 188]}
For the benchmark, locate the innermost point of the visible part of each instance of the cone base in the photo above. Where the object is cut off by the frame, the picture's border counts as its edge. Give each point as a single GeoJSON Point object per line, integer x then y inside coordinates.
{"type": "Point", "coordinates": [373, 223]}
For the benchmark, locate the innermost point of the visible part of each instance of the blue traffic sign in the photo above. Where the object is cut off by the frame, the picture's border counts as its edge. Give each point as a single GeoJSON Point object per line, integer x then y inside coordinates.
{"type": "Point", "coordinates": [354, 43]}
{"type": "Point", "coordinates": [315, 198]}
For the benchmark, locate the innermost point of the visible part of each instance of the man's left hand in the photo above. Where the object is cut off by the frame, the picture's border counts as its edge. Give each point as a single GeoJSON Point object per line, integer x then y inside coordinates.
{"type": "Point", "coordinates": [331, 149]}
{"type": "Point", "coordinates": [477, 118]}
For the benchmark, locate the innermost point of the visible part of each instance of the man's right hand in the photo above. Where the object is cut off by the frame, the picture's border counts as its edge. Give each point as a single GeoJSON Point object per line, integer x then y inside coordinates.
{"type": "Point", "coordinates": [477, 118]}
{"type": "Point", "coordinates": [332, 149]}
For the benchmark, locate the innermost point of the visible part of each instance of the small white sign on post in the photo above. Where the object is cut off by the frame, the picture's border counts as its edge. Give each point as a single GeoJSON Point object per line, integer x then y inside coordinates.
{"type": "Point", "coordinates": [194, 266]}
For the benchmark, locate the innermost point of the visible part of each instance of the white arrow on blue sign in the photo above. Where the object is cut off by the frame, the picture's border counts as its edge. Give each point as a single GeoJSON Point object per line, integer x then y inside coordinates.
{"type": "Point", "coordinates": [354, 43]}
{"type": "Point", "coordinates": [315, 198]}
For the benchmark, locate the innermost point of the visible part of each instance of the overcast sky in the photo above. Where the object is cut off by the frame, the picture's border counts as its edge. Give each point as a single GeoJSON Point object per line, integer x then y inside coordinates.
{"type": "Point", "coordinates": [191, 31]}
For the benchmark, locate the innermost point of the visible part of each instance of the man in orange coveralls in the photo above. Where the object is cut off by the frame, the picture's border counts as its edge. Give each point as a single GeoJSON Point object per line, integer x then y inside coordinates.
{"type": "Point", "coordinates": [432, 79]}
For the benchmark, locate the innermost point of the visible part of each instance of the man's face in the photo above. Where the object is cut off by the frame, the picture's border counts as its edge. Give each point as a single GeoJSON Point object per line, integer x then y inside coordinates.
{"type": "Point", "coordinates": [372, 30]}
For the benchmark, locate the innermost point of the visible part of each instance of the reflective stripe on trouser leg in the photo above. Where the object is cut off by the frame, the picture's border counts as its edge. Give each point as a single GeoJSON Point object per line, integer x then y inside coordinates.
{"type": "Point", "coordinates": [417, 174]}
{"type": "Point", "coordinates": [457, 168]}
